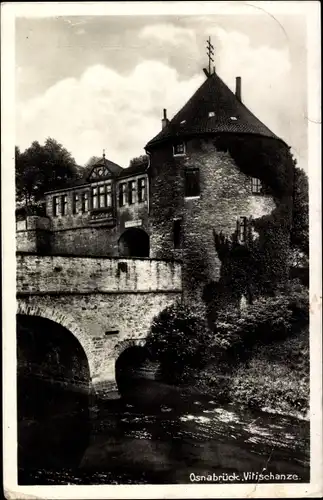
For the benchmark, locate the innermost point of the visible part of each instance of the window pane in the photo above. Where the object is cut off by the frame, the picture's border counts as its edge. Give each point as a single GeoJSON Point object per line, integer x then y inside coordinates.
{"type": "Point", "coordinates": [256, 185]}
{"type": "Point", "coordinates": [64, 204]}
{"type": "Point", "coordinates": [141, 190]}
{"type": "Point", "coordinates": [75, 203]}
{"type": "Point", "coordinates": [108, 195]}
{"type": "Point", "coordinates": [179, 148]}
{"type": "Point", "coordinates": [95, 197]}
{"type": "Point", "coordinates": [85, 202]}
{"type": "Point", "coordinates": [55, 205]}
{"type": "Point", "coordinates": [131, 192]}
{"type": "Point", "coordinates": [102, 196]}
{"type": "Point", "coordinates": [122, 194]}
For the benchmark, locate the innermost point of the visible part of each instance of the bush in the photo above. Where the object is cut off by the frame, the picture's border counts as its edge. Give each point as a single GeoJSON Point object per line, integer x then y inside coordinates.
{"type": "Point", "coordinates": [179, 339]}
{"type": "Point", "coordinates": [268, 320]}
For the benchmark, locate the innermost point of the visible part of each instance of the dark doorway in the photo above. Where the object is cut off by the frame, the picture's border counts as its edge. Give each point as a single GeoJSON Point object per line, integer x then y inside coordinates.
{"type": "Point", "coordinates": [134, 242]}
{"type": "Point", "coordinates": [53, 396]}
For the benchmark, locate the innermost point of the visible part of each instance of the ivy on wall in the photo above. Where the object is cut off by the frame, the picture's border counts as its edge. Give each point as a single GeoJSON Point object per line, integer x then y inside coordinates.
{"type": "Point", "coordinates": [259, 265]}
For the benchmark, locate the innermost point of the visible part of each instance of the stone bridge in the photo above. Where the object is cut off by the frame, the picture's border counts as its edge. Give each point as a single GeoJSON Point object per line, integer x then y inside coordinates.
{"type": "Point", "coordinates": [106, 304]}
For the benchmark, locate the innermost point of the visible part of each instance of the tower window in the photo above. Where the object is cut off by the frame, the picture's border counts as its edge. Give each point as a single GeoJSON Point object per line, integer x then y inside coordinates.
{"type": "Point", "coordinates": [64, 204]}
{"type": "Point", "coordinates": [256, 185]}
{"type": "Point", "coordinates": [242, 229]}
{"type": "Point", "coordinates": [75, 203]}
{"type": "Point", "coordinates": [55, 205]}
{"type": "Point", "coordinates": [177, 233]}
{"type": "Point", "coordinates": [122, 194]}
{"type": "Point", "coordinates": [131, 192]}
{"type": "Point", "coordinates": [141, 190]}
{"type": "Point", "coordinates": [85, 202]}
{"type": "Point", "coordinates": [179, 149]}
{"type": "Point", "coordinates": [192, 182]}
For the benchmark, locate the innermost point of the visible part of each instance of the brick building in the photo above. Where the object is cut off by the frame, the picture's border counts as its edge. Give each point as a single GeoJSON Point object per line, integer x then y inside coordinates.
{"type": "Point", "coordinates": [169, 207]}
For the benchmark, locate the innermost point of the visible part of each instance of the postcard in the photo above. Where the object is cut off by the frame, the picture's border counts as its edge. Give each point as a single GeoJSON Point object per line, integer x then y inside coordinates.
{"type": "Point", "coordinates": [161, 207]}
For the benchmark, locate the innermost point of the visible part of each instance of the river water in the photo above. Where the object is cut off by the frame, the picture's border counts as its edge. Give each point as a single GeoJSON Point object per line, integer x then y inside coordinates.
{"type": "Point", "coordinates": [177, 437]}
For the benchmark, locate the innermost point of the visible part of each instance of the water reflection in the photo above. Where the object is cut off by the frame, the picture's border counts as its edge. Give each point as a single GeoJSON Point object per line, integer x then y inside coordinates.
{"type": "Point", "coordinates": [160, 435]}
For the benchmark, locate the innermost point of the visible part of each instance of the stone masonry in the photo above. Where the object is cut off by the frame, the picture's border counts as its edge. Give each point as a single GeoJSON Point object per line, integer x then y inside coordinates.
{"type": "Point", "coordinates": [106, 303]}
{"type": "Point", "coordinates": [225, 195]}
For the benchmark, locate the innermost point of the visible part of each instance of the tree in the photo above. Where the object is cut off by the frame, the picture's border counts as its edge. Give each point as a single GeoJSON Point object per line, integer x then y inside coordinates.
{"type": "Point", "coordinates": [300, 222]}
{"type": "Point", "coordinates": [138, 160]}
{"type": "Point", "coordinates": [29, 174]}
{"type": "Point", "coordinates": [42, 168]}
{"type": "Point", "coordinates": [179, 340]}
{"type": "Point", "coordinates": [92, 161]}
{"type": "Point", "coordinates": [60, 167]}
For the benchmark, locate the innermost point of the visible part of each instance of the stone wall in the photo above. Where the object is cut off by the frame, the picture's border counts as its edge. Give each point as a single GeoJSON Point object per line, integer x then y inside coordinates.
{"type": "Point", "coordinates": [92, 241]}
{"type": "Point", "coordinates": [77, 275]}
{"type": "Point", "coordinates": [33, 234]}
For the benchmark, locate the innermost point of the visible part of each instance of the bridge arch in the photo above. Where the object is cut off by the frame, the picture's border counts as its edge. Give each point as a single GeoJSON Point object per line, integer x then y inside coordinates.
{"type": "Point", "coordinates": [133, 367]}
{"type": "Point", "coordinates": [54, 394]}
{"type": "Point", "coordinates": [64, 320]}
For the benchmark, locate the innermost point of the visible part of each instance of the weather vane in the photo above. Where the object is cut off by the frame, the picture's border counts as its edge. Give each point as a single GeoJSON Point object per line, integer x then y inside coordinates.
{"type": "Point", "coordinates": [210, 53]}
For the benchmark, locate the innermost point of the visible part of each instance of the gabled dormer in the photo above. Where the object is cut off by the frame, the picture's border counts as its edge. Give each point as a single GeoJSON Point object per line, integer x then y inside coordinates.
{"type": "Point", "coordinates": [104, 169]}
{"type": "Point", "coordinates": [102, 199]}
{"type": "Point", "coordinates": [99, 173]}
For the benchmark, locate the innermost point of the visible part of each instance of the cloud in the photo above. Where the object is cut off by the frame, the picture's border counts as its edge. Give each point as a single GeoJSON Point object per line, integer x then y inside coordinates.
{"type": "Point", "coordinates": [103, 109]}
{"type": "Point", "coordinates": [121, 113]}
{"type": "Point", "coordinates": [168, 33]}
{"type": "Point", "coordinates": [268, 82]}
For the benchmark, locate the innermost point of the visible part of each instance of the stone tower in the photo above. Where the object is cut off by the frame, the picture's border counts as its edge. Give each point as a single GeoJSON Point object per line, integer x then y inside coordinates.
{"type": "Point", "coordinates": [215, 171]}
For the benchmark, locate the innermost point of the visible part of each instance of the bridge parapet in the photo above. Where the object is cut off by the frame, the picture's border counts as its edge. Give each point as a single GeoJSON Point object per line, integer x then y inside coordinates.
{"type": "Point", "coordinates": [44, 274]}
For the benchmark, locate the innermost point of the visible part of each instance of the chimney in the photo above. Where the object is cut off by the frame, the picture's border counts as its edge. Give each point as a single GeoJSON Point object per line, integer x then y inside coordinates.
{"type": "Point", "coordinates": [165, 120]}
{"type": "Point", "coordinates": [238, 88]}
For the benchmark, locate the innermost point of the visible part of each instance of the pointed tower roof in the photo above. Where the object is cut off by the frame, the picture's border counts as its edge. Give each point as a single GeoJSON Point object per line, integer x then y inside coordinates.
{"type": "Point", "coordinates": [213, 109]}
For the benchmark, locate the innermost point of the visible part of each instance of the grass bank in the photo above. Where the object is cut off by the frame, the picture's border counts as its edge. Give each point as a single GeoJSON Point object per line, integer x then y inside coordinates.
{"type": "Point", "coordinates": [275, 378]}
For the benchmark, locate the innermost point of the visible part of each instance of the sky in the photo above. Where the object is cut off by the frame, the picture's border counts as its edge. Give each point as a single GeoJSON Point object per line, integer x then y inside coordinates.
{"type": "Point", "coordinates": [101, 82]}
